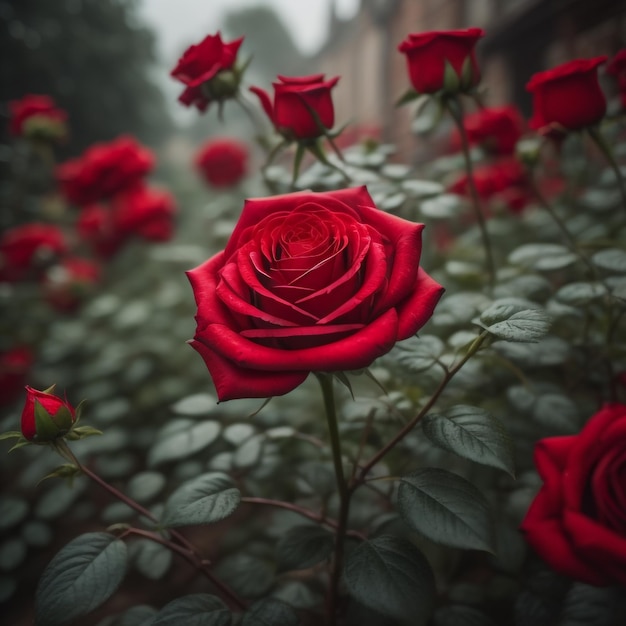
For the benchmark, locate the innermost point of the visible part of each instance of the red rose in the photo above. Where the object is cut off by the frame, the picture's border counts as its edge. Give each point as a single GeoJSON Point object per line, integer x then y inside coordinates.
{"type": "Point", "coordinates": [24, 250]}
{"type": "Point", "coordinates": [617, 67]}
{"type": "Point", "coordinates": [308, 282]}
{"type": "Point", "coordinates": [45, 416]}
{"type": "Point", "coordinates": [577, 522]}
{"type": "Point", "coordinates": [568, 96]}
{"type": "Point", "coordinates": [104, 170]}
{"type": "Point", "coordinates": [297, 102]}
{"type": "Point", "coordinates": [145, 212]}
{"type": "Point", "coordinates": [66, 285]}
{"type": "Point", "coordinates": [14, 367]}
{"type": "Point", "coordinates": [222, 162]}
{"type": "Point", "coordinates": [428, 53]}
{"type": "Point", "coordinates": [497, 129]}
{"type": "Point", "coordinates": [208, 71]}
{"type": "Point", "coordinates": [95, 227]}
{"type": "Point", "coordinates": [36, 115]}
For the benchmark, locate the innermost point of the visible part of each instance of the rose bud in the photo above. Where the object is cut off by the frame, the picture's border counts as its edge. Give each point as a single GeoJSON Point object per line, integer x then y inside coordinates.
{"type": "Point", "coordinates": [308, 282]}
{"type": "Point", "coordinates": [442, 60]}
{"type": "Point", "coordinates": [222, 162]}
{"type": "Point", "coordinates": [577, 521]}
{"type": "Point", "coordinates": [46, 417]}
{"type": "Point", "coordinates": [36, 116]}
{"type": "Point", "coordinates": [303, 106]}
{"type": "Point", "coordinates": [209, 72]}
{"type": "Point", "coordinates": [567, 97]}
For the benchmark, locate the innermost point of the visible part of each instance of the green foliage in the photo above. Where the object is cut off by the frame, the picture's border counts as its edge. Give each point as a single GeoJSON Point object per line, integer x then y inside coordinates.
{"type": "Point", "coordinates": [304, 546]}
{"type": "Point", "coordinates": [270, 612]}
{"type": "Point", "coordinates": [199, 609]}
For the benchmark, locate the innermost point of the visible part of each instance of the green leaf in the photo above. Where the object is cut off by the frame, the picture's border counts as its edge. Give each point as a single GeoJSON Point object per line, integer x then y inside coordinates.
{"type": "Point", "coordinates": [542, 256]}
{"type": "Point", "coordinates": [270, 612]}
{"type": "Point", "coordinates": [151, 558]}
{"type": "Point", "coordinates": [445, 508]}
{"type": "Point", "coordinates": [419, 353]}
{"type": "Point", "coordinates": [612, 259]}
{"type": "Point", "coordinates": [473, 434]}
{"type": "Point", "coordinates": [182, 438]}
{"type": "Point", "coordinates": [206, 499]}
{"type": "Point", "coordinates": [581, 293]}
{"type": "Point", "coordinates": [199, 609]}
{"type": "Point", "coordinates": [407, 97]}
{"type": "Point", "coordinates": [249, 575]}
{"type": "Point", "coordinates": [80, 578]}
{"type": "Point", "coordinates": [391, 576]}
{"type": "Point", "coordinates": [303, 546]}
{"type": "Point", "coordinates": [11, 434]}
{"type": "Point", "coordinates": [528, 325]}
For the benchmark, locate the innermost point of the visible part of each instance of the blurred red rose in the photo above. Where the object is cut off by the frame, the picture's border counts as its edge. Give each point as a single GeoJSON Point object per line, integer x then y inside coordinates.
{"type": "Point", "coordinates": [301, 104]}
{"type": "Point", "coordinates": [428, 53]}
{"type": "Point", "coordinates": [36, 114]}
{"type": "Point", "coordinates": [208, 70]}
{"type": "Point", "coordinates": [567, 97]}
{"type": "Point", "coordinates": [144, 212]}
{"type": "Point", "coordinates": [577, 522]}
{"type": "Point", "coordinates": [67, 284]}
{"type": "Point", "coordinates": [45, 416]}
{"type": "Point", "coordinates": [617, 68]}
{"type": "Point", "coordinates": [496, 129]}
{"type": "Point", "coordinates": [308, 282]}
{"type": "Point", "coordinates": [104, 170]}
{"type": "Point", "coordinates": [223, 162]}
{"type": "Point", "coordinates": [26, 250]}
{"type": "Point", "coordinates": [15, 364]}
{"type": "Point", "coordinates": [95, 227]}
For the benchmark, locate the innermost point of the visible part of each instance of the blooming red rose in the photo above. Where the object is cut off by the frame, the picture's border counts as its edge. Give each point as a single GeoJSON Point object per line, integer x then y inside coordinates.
{"type": "Point", "coordinates": [67, 284]}
{"type": "Point", "coordinates": [428, 53]}
{"type": "Point", "coordinates": [297, 103]}
{"type": "Point", "coordinates": [45, 416]}
{"type": "Point", "coordinates": [223, 162]}
{"type": "Point", "coordinates": [567, 97]}
{"type": "Point", "coordinates": [35, 114]}
{"type": "Point", "coordinates": [14, 367]}
{"type": "Point", "coordinates": [144, 212]}
{"type": "Point", "coordinates": [617, 67]}
{"type": "Point", "coordinates": [577, 522]}
{"type": "Point", "coordinates": [104, 170]}
{"type": "Point", "coordinates": [95, 227]}
{"type": "Point", "coordinates": [25, 250]}
{"type": "Point", "coordinates": [496, 129]}
{"type": "Point", "coordinates": [208, 70]}
{"type": "Point", "coordinates": [308, 282]}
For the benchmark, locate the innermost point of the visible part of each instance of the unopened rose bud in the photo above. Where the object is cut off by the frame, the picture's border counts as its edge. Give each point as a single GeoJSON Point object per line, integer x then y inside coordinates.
{"type": "Point", "coordinates": [46, 417]}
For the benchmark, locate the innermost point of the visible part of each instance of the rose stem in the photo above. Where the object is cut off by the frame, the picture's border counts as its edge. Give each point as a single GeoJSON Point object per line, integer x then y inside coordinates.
{"type": "Point", "coordinates": [601, 142]}
{"type": "Point", "coordinates": [449, 375]}
{"type": "Point", "coordinates": [188, 549]}
{"type": "Point", "coordinates": [455, 108]}
{"type": "Point", "coordinates": [326, 382]}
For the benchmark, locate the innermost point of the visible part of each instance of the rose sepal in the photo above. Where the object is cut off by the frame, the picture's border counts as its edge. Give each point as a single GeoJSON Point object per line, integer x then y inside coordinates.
{"type": "Point", "coordinates": [451, 80]}
{"type": "Point", "coordinates": [48, 428]}
{"type": "Point", "coordinates": [408, 96]}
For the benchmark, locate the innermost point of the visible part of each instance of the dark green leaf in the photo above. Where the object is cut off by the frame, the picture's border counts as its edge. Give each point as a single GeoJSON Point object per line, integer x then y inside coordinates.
{"type": "Point", "coordinates": [612, 259]}
{"type": "Point", "coordinates": [151, 558]}
{"type": "Point", "coordinates": [529, 326]}
{"type": "Point", "coordinates": [391, 576]}
{"type": "Point", "coordinates": [303, 546]}
{"type": "Point", "coordinates": [208, 498]}
{"type": "Point", "coordinates": [419, 353]}
{"type": "Point", "coordinates": [249, 575]}
{"type": "Point", "coordinates": [542, 256]}
{"type": "Point", "coordinates": [182, 438]}
{"type": "Point", "coordinates": [140, 615]}
{"type": "Point", "coordinates": [80, 578]}
{"type": "Point", "coordinates": [472, 433]}
{"type": "Point", "coordinates": [580, 293]}
{"type": "Point", "coordinates": [445, 508]}
{"type": "Point", "coordinates": [270, 612]}
{"type": "Point", "coordinates": [199, 609]}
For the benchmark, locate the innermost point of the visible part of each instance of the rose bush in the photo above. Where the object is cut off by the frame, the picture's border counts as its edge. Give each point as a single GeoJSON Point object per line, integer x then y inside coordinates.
{"type": "Point", "coordinates": [294, 100]}
{"type": "Point", "coordinates": [567, 97]}
{"type": "Point", "coordinates": [427, 54]}
{"type": "Point", "coordinates": [577, 522]}
{"type": "Point", "coordinates": [308, 282]}
{"type": "Point", "coordinates": [223, 162]}
{"type": "Point", "coordinates": [104, 170]}
{"type": "Point", "coordinates": [208, 71]}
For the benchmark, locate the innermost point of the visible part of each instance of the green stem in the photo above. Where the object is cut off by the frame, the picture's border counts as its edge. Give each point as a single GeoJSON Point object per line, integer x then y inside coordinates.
{"type": "Point", "coordinates": [326, 382]}
{"type": "Point", "coordinates": [455, 108]}
{"type": "Point", "coordinates": [185, 548]}
{"type": "Point", "coordinates": [601, 142]}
